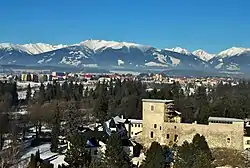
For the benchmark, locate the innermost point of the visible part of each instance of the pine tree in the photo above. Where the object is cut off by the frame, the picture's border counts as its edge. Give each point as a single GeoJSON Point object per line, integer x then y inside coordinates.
{"type": "Point", "coordinates": [101, 104]}
{"type": "Point", "coordinates": [37, 156]}
{"type": "Point", "coordinates": [58, 94]}
{"type": "Point", "coordinates": [14, 95]}
{"type": "Point", "coordinates": [86, 92]}
{"type": "Point", "coordinates": [72, 119]}
{"type": "Point", "coordinates": [154, 157]}
{"type": "Point", "coordinates": [49, 92]}
{"type": "Point", "coordinates": [55, 128]}
{"type": "Point", "coordinates": [77, 156]}
{"type": "Point", "coordinates": [115, 156]}
{"type": "Point", "coordinates": [33, 162]}
{"type": "Point", "coordinates": [28, 93]}
{"type": "Point", "coordinates": [41, 97]}
{"type": "Point", "coordinates": [71, 90]}
{"type": "Point", "coordinates": [65, 91]}
{"type": "Point", "coordinates": [194, 155]}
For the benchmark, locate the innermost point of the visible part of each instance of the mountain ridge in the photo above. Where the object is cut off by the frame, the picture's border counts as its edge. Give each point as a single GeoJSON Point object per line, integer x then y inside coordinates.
{"type": "Point", "coordinates": [102, 53]}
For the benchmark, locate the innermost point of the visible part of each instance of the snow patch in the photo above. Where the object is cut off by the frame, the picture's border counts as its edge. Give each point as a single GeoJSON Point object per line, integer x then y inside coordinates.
{"type": "Point", "coordinates": [233, 67]}
{"type": "Point", "coordinates": [155, 64]}
{"type": "Point", "coordinates": [120, 62]}
{"type": "Point", "coordinates": [219, 65]}
{"type": "Point", "coordinates": [174, 61]}
{"type": "Point", "coordinates": [160, 57]}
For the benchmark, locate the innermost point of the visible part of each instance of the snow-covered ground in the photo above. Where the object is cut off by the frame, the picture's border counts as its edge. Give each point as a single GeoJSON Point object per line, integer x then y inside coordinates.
{"type": "Point", "coordinates": [24, 85]}
{"type": "Point", "coordinates": [22, 94]}
{"type": "Point", "coordinates": [45, 154]}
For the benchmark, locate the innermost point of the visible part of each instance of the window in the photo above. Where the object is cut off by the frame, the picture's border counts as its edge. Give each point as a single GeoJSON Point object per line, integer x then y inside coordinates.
{"type": "Point", "coordinates": [155, 125]}
{"type": "Point", "coordinates": [131, 133]}
{"type": "Point", "coordinates": [174, 127]}
{"type": "Point", "coordinates": [152, 107]}
{"type": "Point", "coordinates": [131, 125]}
{"type": "Point", "coordinates": [160, 127]}
{"type": "Point", "coordinates": [135, 125]}
{"type": "Point", "coordinates": [228, 140]}
{"type": "Point", "coordinates": [167, 136]}
{"type": "Point", "coordinates": [175, 138]}
{"type": "Point", "coordinates": [139, 125]}
{"type": "Point", "coordinates": [248, 142]}
{"type": "Point", "coordinates": [151, 134]}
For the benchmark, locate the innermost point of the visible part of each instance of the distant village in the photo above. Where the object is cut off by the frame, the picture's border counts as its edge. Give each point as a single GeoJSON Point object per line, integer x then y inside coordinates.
{"type": "Point", "coordinates": [91, 78]}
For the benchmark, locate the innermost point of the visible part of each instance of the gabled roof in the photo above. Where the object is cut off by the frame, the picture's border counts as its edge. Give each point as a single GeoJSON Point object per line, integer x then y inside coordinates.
{"type": "Point", "coordinates": [112, 123]}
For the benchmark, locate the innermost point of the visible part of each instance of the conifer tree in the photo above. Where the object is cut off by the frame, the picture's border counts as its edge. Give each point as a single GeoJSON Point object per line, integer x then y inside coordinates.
{"type": "Point", "coordinates": [77, 155]}
{"type": "Point", "coordinates": [55, 128]}
{"type": "Point", "coordinates": [101, 104]}
{"type": "Point", "coordinates": [154, 157]}
{"type": "Point", "coordinates": [28, 93]}
{"type": "Point", "coordinates": [115, 156]}
{"type": "Point", "coordinates": [194, 155]}
{"type": "Point", "coordinates": [49, 92]}
{"type": "Point", "coordinates": [65, 91]}
{"type": "Point", "coordinates": [33, 162]}
{"type": "Point", "coordinates": [41, 97]}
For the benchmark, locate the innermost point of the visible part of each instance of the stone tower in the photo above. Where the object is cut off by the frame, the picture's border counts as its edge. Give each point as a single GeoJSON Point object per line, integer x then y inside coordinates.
{"type": "Point", "coordinates": [155, 113]}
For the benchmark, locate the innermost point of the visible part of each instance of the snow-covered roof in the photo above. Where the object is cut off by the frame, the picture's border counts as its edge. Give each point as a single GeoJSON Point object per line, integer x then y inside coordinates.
{"type": "Point", "coordinates": [179, 113]}
{"type": "Point", "coordinates": [222, 119]}
{"type": "Point", "coordinates": [157, 100]}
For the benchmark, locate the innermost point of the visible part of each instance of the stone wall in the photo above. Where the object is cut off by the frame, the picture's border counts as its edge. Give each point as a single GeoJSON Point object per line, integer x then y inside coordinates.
{"type": "Point", "coordinates": [218, 135]}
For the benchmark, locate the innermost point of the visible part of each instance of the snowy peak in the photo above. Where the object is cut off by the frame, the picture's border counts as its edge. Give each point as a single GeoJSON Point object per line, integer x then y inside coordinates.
{"type": "Point", "coordinates": [38, 48]}
{"type": "Point", "coordinates": [234, 51]}
{"type": "Point", "coordinates": [9, 47]}
{"type": "Point", "coordinates": [203, 54]}
{"type": "Point", "coordinates": [96, 45]}
{"type": "Point", "coordinates": [178, 50]}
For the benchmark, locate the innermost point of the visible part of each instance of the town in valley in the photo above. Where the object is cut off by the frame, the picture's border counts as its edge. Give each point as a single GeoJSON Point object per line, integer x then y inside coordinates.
{"type": "Point", "coordinates": [59, 119]}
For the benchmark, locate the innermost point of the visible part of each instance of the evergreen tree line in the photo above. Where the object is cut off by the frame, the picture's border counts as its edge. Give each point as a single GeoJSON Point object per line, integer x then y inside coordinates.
{"type": "Point", "coordinates": [117, 97]}
{"type": "Point", "coordinates": [195, 103]}
{"type": "Point", "coordinates": [66, 91]}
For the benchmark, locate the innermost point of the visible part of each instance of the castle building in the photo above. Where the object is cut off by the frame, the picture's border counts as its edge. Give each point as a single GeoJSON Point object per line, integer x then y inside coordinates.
{"type": "Point", "coordinates": [162, 123]}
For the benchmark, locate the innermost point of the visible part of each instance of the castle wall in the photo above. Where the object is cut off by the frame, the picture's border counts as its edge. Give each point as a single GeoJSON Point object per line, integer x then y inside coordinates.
{"type": "Point", "coordinates": [218, 135]}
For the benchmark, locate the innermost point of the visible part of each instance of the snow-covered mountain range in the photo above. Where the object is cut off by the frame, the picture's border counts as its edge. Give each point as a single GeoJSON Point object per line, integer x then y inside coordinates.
{"type": "Point", "coordinates": [113, 54]}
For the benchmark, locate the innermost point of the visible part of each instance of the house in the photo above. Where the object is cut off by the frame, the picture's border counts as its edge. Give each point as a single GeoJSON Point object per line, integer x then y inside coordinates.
{"type": "Point", "coordinates": [130, 127]}
{"type": "Point", "coordinates": [96, 140]}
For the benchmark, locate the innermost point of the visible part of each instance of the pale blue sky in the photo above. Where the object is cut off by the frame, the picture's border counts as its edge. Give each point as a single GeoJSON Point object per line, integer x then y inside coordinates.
{"type": "Point", "coordinates": [212, 25]}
